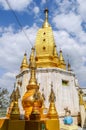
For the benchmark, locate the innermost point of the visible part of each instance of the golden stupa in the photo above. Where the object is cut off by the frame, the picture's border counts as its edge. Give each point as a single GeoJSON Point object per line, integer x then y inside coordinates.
{"type": "Point", "coordinates": [24, 64]}
{"type": "Point", "coordinates": [36, 110]}
{"type": "Point", "coordinates": [46, 53]}
{"type": "Point", "coordinates": [62, 63]}
{"type": "Point", "coordinates": [28, 98]}
{"type": "Point", "coordinates": [52, 113]}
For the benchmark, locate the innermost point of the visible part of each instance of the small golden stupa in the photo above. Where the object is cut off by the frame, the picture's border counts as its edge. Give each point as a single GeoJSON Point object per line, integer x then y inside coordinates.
{"type": "Point", "coordinates": [69, 67]}
{"type": "Point", "coordinates": [15, 113]}
{"type": "Point", "coordinates": [24, 64]}
{"type": "Point", "coordinates": [52, 122]}
{"type": "Point", "coordinates": [36, 111]}
{"type": "Point", "coordinates": [62, 63]}
{"type": "Point", "coordinates": [28, 99]}
{"type": "Point", "coordinates": [13, 109]}
{"type": "Point", "coordinates": [52, 113]}
{"type": "Point", "coordinates": [44, 109]}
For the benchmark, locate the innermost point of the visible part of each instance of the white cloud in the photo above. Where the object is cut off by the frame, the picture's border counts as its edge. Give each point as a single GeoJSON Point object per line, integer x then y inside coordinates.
{"type": "Point", "coordinates": [66, 6]}
{"type": "Point", "coordinates": [6, 30]}
{"type": "Point", "coordinates": [7, 80]}
{"type": "Point", "coordinates": [36, 10]}
{"type": "Point", "coordinates": [18, 5]}
{"type": "Point", "coordinates": [12, 48]}
{"type": "Point", "coordinates": [71, 22]}
{"type": "Point", "coordinates": [43, 1]}
{"type": "Point", "coordinates": [82, 9]}
{"type": "Point", "coordinates": [9, 75]}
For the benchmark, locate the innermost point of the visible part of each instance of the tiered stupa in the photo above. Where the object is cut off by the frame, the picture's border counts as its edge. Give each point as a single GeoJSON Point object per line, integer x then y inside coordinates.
{"type": "Point", "coordinates": [28, 98]}
{"type": "Point", "coordinates": [51, 67]}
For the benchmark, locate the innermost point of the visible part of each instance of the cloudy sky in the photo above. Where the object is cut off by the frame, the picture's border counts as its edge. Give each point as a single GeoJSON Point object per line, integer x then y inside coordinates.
{"type": "Point", "coordinates": [18, 30]}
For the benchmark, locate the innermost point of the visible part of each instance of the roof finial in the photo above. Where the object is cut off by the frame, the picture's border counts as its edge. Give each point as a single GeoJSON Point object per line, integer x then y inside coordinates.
{"type": "Point", "coordinates": [68, 65]}
{"type": "Point", "coordinates": [46, 11]}
{"type": "Point", "coordinates": [62, 64]}
{"type": "Point", "coordinates": [52, 113]}
{"type": "Point", "coordinates": [52, 96]}
{"type": "Point", "coordinates": [32, 66]}
{"type": "Point", "coordinates": [46, 24]}
{"type": "Point", "coordinates": [24, 64]}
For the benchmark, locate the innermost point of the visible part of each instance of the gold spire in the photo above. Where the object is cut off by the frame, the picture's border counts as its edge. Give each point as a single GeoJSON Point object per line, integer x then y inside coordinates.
{"type": "Point", "coordinates": [15, 113]}
{"type": "Point", "coordinates": [55, 52]}
{"type": "Point", "coordinates": [46, 24]}
{"type": "Point", "coordinates": [28, 99]}
{"type": "Point", "coordinates": [44, 109]}
{"type": "Point", "coordinates": [35, 114]}
{"type": "Point", "coordinates": [62, 64]}
{"type": "Point", "coordinates": [81, 102]}
{"type": "Point", "coordinates": [52, 113]}
{"type": "Point", "coordinates": [24, 64]}
{"type": "Point", "coordinates": [32, 59]}
{"type": "Point", "coordinates": [32, 66]}
{"type": "Point", "coordinates": [61, 56]}
{"type": "Point", "coordinates": [56, 58]}
{"type": "Point", "coordinates": [69, 66]}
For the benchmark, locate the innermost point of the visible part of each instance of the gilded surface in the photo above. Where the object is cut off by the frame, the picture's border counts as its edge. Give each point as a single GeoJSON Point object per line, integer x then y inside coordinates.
{"type": "Point", "coordinates": [32, 88]}
{"type": "Point", "coordinates": [1, 122]}
{"type": "Point", "coordinates": [24, 64]}
{"type": "Point", "coordinates": [27, 102]}
{"type": "Point", "coordinates": [62, 63]}
{"type": "Point", "coordinates": [52, 124]}
{"type": "Point", "coordinates": [52, 113]}
{"type": "Point", "coordinates": [46, 53]}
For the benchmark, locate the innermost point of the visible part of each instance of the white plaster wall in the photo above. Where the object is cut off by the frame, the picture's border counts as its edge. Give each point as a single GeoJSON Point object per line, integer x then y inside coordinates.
{"type": "Point", "coordinates": [66, 96]}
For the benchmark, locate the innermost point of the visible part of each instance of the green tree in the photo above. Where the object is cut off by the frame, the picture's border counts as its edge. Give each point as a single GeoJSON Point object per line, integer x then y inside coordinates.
{"type": "Point", "coordinates": [4, 98]}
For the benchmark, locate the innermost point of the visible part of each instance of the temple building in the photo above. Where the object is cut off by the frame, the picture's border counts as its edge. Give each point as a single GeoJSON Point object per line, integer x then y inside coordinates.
{"type": "Point", "coordinates": [51, 68]}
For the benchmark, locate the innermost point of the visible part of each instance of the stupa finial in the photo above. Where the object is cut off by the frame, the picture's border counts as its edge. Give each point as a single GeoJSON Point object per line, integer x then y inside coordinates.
{"type": "Point", "coordinates": [24, 64]}
{"type": "Point", "coordinates": [32, 82]}
{"type": "Point", "coordinates": [46, 24]}
{"type": "Point", "coordinates": [52, 96]}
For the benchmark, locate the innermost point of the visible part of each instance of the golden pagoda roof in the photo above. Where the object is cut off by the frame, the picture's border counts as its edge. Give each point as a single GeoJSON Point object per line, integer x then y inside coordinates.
{"type": "Point", "coordinates": [24, 64]}
{"type": "Point", "coordinates": [46, 54]}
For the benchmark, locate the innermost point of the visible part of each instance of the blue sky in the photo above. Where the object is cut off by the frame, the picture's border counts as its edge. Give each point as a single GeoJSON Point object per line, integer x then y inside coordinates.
{"type": "Point", "coordinates": [68, 21]}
